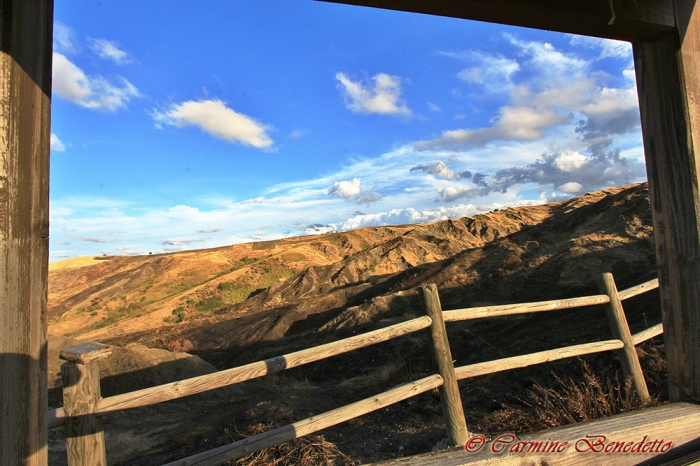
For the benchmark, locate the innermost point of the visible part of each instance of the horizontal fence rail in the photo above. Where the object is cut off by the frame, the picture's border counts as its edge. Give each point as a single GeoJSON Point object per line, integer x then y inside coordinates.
{"type": "Point", "coordinates": [648, 333]}
{"type": "Point", "coordinates": [202, 383]}
{"type": "Point", "coordinates": [523, 308]}
{"type": "Point", "coordinates": [313, 424]}
{"type": "Point", "coordinates": [639, 289]}
{"type": "Point", "coordinates": [517, 362]}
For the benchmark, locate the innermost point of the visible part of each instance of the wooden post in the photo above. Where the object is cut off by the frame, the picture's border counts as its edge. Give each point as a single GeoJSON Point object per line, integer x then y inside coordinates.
{"type": "Point", "coordinates": [25, 120]}
{"type": "Point", "coordinates": [621, 331]}
{"type": "Point", "coordinates": [85, 441]}
{"type": "Point", "coordinates": [450, 398]}
{"type": "Point", "coordinates": [668, 81]}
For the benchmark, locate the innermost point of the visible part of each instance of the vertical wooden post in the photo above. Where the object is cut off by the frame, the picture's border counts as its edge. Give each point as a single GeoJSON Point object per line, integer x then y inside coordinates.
{"type": "Point", "coordinates": [668, 81]}
{"type": "Point", "coordinates": [85, 441]}
{"type": "Point", "coordinates": [621, 331]}
{"type": "Point", "coordinates": [450, 398]}
{"type": "Point", "coordinates": [25, 116]}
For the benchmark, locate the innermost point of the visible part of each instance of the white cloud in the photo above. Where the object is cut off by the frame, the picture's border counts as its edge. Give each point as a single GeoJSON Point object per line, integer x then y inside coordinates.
{"type": "Point", "coordinates": [56, 144]}
{"type": "Point", "coordinates": [609, 48]}
{"type": "Point", "coordinates": [569, 161]}
{"type": "Point", "coordinates": [215, 118]}
{"type": "Point", "coordinates": [63, 38]}
{"type": "Point", "coordinates": [297, 133]}
{"type": "Point", "coordinates": [494, 72]}
{"type": "Point", "coordinates": [179, 241]}
{"type": "Point", "coordinates": [571, 187]}
{"type": "Point", "coordinates": [384, 97]}
{"type": "Point", "coordinates": [93, 92]}
{"type": "Point", "coordinates": [433, 107]}
{"type": "Point", "coordinates": [347, 189]}
{"type": "Point", "coordinates": [109, 50]}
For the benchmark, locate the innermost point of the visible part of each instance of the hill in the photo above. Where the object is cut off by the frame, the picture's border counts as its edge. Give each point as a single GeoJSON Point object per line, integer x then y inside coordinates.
{"type": "Point", "coordinates": [237, 304]}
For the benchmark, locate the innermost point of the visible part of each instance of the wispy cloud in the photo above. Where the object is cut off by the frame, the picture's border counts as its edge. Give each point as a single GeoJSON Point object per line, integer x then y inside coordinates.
{"type": "Point", "coordinates": [109, 50]}
{"type": "Point", "coordinates": [179, 241]}
{"type": "Point", "coordinates": [63, 38]}
{"type": "Point", "coordinates": [93, 92]}
{"type": "Point", "coordinates": [382, 97]}
{"type": "Point", "coordinates": [218, 120]}
{"type": "Point", "coordinates": [93, 239]}
{"type": "Point", "coordinates": [209, 230]}
{"type": "Point", "coordinates": [56, 144]}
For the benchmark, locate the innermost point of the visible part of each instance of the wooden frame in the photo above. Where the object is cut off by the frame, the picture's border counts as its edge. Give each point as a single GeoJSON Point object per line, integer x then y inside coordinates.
{"type": "Point", "coordinates": [665, 36]}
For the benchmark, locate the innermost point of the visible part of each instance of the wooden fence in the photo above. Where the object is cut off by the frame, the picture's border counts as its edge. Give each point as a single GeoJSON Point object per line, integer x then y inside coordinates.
{"type": "Point", "coordinates": [83, 406]}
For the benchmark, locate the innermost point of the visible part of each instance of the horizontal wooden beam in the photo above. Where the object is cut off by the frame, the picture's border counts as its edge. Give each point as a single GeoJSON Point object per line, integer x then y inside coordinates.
{"type": "Point", "coordinates": [639, 289]}
{"type": "Point", "coordinates": [638, 20]}
{"type": "Point", "coordinates": [648, 333]}
{"type": "Point", "coordinates": [517, 362]}
{"type": "Point", "coordinates": [523, 308]}
{"type": "Point", "coordinates": [202, 383]}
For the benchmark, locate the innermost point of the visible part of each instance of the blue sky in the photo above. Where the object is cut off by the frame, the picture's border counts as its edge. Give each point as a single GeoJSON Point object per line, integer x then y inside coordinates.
{"type": "Point", "coordinates": [184, 125]}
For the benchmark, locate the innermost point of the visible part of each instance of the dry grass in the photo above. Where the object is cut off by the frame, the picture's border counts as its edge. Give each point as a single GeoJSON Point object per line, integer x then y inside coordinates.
{"type": "Point", "coordinates": [570, 402]}
{"type": "Point", "coordinates": [311, 450]}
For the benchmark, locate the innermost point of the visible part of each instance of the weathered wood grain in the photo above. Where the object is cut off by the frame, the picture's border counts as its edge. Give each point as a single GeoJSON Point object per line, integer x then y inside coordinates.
{"type": "Point", "coordinates": [313, 424]}
{"type": "Point", "coordinates": [677, 423]}
{"type": "Point", "coordinates": [25, 120]}
{"type": "Point", "coordinates": [522, 308]}
{"type": "Point", "coordinates": [639, 289]}
{"type": "Point", "coordinates": [621, 331]}
{"type": "Point", "coordinates": [450, 399]}
{"type": "Point", "coordinates": [648, 333]}
{"type": "Point", "coordinates": [668, 81]}
{"type": "Point", "coordinates": [85, 353]}
{"type": "Point", "coordinates": [85, 442]}
{"type": "Point", "coordinates": [186, 387]}
{"type": "Point", "coordinates": [516, 362]}
{"type": "Point", "coordinates": [640, 20]}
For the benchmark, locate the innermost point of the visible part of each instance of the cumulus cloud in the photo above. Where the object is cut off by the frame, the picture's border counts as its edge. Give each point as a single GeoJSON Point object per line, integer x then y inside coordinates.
{"type": "Point", "coordinates": [109, 50]}
{"type": "Point", "coordinates": [346, 189]}
{"type": "Point", "coordinates": [56, 144]}
{"type": "Point", "coordinates": [350, 191]}
{"type": "Point", "coordinates": [215, 118]}
{"type": "Point", "coordinates": [93, 92]}
{"type": "Point", "coordinates": [382, 97]}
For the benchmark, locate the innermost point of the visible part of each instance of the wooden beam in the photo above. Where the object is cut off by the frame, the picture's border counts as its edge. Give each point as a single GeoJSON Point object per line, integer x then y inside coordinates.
{"type": "Point", "coordinates": [638, 20]}
{"type": "Point", "coordinates": [668, 80]}
{"type": "Point", "coordinates": [26, 29]}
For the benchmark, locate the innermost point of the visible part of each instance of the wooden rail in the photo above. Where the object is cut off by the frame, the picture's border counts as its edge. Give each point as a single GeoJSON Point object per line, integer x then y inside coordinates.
{"type": "Point", "coordinates": [83, 404]}
{"type": "Point", "coordinates": [523, 308]}
{"type": "Point", "coordinates": [517, 362]}
{"type": "Point", "coordinates": [194, 385]}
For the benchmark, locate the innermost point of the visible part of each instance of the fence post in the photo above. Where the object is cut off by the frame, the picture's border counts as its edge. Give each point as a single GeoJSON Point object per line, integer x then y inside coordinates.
{"type": "Point", "coordinates": [80, 377]}
{"type": "Point", "coordinates": [450, 398]}
{"type": "Point", "coordinates": [621, 331]}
